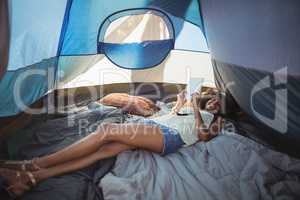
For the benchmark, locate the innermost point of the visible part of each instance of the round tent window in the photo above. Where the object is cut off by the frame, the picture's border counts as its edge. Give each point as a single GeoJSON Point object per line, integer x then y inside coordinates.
{"type": "Point", "coordinates": [136, 39]}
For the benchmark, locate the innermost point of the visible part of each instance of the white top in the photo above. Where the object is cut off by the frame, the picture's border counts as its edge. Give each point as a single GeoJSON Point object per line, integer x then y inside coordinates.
{"type": "Point", "coordinates": [185, 125]}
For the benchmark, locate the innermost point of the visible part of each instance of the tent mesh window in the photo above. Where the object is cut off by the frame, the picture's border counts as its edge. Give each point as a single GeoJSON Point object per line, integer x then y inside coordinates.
{"type": "Point", "coordinates": [136, 39]}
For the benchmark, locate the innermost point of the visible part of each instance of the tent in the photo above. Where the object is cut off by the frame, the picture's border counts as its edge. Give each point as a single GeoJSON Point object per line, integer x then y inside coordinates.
{"type": "Point", "coordinates": [62, 44]}
{"type": "Point", "coordinates": [73, 42]}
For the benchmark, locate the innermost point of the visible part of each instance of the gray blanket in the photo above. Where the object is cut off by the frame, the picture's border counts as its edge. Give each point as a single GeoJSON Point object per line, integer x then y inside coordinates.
{"type": "Point", "coordinates": [228, 167]}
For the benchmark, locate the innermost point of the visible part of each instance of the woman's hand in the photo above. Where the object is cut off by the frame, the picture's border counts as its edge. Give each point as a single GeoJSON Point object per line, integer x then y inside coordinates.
{"type": "Point", "coordinates": [196, 98]}
{"type": "Point", "coordinates": [206, 134]}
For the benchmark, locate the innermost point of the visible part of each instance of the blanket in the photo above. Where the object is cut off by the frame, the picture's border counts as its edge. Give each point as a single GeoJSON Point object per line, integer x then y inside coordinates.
{"type": "Point", "coordinates": [228, 167]}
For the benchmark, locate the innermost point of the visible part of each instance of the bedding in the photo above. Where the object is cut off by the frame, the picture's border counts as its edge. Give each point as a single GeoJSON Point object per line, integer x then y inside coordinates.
{"type": "Point", "coordinates": [230, 166]}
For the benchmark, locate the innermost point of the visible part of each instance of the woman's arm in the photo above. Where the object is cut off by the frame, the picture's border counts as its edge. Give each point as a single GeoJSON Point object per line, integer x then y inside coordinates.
{"type": "Point", "coordinates": [203, 131]}
{"type": "Point", "coordinates": [195, 104]}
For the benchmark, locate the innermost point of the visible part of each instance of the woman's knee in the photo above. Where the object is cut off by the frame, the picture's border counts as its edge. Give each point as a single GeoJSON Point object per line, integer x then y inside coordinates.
{"type": "Point", "coordinates": [107, 130]}
{"type": "Point", "coordinates": [107, 149]}
{"type": "Point", "coordinates": [100, 132]}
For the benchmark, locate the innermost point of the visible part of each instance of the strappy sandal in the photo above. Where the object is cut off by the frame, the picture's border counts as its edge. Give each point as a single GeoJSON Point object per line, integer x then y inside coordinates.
{"type": "Point", "coordinates": [25, 165]}
{"type": "Point", "coordinates": [19, 188]}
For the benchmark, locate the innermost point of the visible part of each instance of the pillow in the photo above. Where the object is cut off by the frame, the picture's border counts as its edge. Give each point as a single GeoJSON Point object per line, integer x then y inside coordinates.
{"type": "Point", "coordinates": [135, 105]}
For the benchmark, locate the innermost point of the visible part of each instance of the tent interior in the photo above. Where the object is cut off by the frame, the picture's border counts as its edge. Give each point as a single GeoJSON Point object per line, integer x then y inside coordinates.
{"type": "Point", "coordinates": [58, 60]}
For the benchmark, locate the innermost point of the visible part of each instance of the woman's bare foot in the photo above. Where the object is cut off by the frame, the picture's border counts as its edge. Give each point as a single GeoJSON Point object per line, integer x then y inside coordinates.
{"type": "Point", "coordinates": [18, 182]}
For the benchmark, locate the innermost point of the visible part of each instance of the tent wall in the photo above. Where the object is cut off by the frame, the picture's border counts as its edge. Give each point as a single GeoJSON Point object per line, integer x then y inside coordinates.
{"type": "Point", "coordinates": [22, 87]}
{"type": "Point", "coordinates": [35, 31]}
{"type": "Point", "coordinates": [87, 70]}
{"type": "Point", "coordinates": [4, 36]}
{"type": "Point", "coordinates": [257, 34]}
{"type": "Point", "coordinates": [86, 18]}
{"type": "Point", "coordinates": [35, 27]}
{"type": "Point", "coordinates": [255, 47]}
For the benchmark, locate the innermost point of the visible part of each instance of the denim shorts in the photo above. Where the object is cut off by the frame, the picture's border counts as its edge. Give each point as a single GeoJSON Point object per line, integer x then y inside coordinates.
{"type": "Point", "coordinates": [172, 139]}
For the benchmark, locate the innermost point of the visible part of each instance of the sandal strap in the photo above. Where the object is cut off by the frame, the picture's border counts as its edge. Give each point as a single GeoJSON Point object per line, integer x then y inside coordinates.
{"type": "Point", "coordinates": [20, 163]}
{"type": "Point", "coordinates": [25, 165]}
{"type": "Point", "coordinates": [32, 178]}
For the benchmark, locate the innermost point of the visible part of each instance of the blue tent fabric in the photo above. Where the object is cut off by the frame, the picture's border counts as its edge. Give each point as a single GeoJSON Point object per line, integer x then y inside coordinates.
{"type": "Point", "coordinates": [85, 19]}
{"type": "Point", "coordinates": [35, 31]}
{"type": "Point", "coordinates": [24, 86]}
{"type": "Point", "coordinates": [36, 28]}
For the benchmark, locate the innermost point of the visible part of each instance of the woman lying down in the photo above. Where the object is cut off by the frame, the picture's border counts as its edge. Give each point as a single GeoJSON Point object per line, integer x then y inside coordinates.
{"type": "Point", "coordinates": [162, 135]}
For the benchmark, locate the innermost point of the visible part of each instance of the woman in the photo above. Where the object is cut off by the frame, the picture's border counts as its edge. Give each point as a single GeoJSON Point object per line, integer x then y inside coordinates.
{"type": "Point", "coordinates": [163, 135]}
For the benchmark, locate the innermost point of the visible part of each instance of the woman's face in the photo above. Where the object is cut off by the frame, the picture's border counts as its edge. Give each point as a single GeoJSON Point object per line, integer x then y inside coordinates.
{"type": "Point", "coordinates": [213, 105]}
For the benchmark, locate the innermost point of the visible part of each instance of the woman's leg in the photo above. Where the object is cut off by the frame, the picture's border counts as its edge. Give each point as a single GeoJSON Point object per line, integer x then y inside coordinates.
{"type": "Point", "coordinates": [137, 135]}
{"type": "Point", "coordinates": [82, 148]}
{"type": "Point", "coordinates": [117, 138]}
{"type": "Point", "coordinates": [148, 137]}
{"type": "Point", "coordinates": [106, 151]}
{"type": "Point", "coordinates": [21, 183]}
